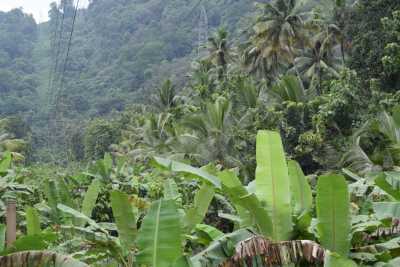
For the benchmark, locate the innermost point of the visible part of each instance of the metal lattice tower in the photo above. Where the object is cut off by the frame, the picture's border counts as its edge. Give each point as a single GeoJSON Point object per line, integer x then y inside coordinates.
{"type": "Point", "coordinates": [202, 32]}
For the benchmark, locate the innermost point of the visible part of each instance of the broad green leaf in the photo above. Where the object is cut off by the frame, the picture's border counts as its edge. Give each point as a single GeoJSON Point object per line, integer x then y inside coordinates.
{"type": "Point", "coordinates": [64, 193]}
{"type": "Point", "coordinates": [335, 260]}
{"type": "Point", "coordinates": [52, 200]}
{"type": "Point", "coordinates": [125, 218]}
{"type": "Point", "coordinates": [160, 236]}
{"type": "Point", "coordinates": [221, 249]}
{"type": "Point", "coordinates": [32, 221]}
{"type": "Point", "coordinates": [183, 262]}
{"type": "Point", "coordinates": [108, 162]}
{"type": "Point", "coordinates": [209, 232]}
{"type": "Point", "coordinates": [333, 213]}
{"type": "Point", "coordinates": [176, 166]}
{"type": "Point", "coordinates": [202, 200]}
{"type": "Point", "coordinates": [5, 162]}
{"type": "Point", "coordinates": [2, 236]}
{"type": "Point", "coordinates": [31, 242]}
{"type": "Point", "coordinates": [39, 258]}
{"type": "Point", "coordinates": [301, 190]}
{"type": "Point", "coordinates": [247, 205]}
{"type": "Point", "coordinates": [273, 183]}
{"type": "Point", "coordinates": [383, 184]}
{"type": "Point", "coordinates": [78, 215]}
{"type": "Point", "coordinates": [386, 210]}
{"type": "Point", "coordinates": [89, 201]}
{"type": "Point", "coordinates": [396, 115]}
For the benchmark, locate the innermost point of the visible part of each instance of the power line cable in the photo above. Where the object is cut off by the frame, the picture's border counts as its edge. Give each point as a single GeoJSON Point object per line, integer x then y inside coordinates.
{"type": "Point", "coordinates": [58, 96]}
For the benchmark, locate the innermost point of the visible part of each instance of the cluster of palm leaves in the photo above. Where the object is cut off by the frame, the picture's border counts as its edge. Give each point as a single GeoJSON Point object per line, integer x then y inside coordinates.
{"type": "Point", "coordinates": [364, 156]}
{"type": "Point", "coordinates": [287, 38]}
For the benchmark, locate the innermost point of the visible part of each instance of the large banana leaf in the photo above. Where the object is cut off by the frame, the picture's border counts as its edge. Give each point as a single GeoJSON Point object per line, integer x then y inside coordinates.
{"type": "Point", "coordinates": [124, 218]}
{"type": "Point", "coordinates": [79, 216]}
{"type": "Point", "coordinates": [32, 221]}
{"type": "Point", "coordinates": [5, 162]}
{"type": "Point", "coordinates": [387, 210]}
{"type": "Point", "coordinates": [39, 259]}
{"type": "Point", "coordinates": [335, 260]}
{"type": "Point", "coordinates": [160, 237]}
{"type": "Point", "coordinates": [301, 190]}
{"type": "Point", "coordinates": [90, 198]}
{"type": "Point", "coordinates": [247, 205]}
{"type": "Point", "coordinates": [273, 184]}
{"type": "Point", "coordinates": [176, 166]}
{"type": "Point", "coordinates": [221, 249]}
{"type": "Point", "coordinates": [2, 236]}
{"type": "Point", "coordinates": [390, 184]}
{"type": "Point", "coordinates": [50, 191]}
{"type": "Point", "coordinates": [333, 213]}
{"type": "Point", "coordinates": [31, 242]}
{"type": "Point", "coordinates": [202, 200]}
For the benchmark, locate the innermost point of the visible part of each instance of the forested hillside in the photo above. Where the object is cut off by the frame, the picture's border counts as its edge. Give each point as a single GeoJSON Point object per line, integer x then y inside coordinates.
{"type": "Point", "coordinates": [124, 47]}
{"type": "Point", "coordinates": [213, 133]}
{"type": "Point", "coordinates": [18, 84]}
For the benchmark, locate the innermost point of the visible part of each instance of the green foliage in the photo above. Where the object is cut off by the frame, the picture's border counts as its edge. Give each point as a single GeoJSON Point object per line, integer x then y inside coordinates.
{"type": "Point", "coordinates": [302, 200]}
{"type": "Point", "coordinates": [99, 136]}
{"type": "Point", "coordinates": [333, 213]}
{"type": "Point", "coordinates": [124, 217]}
{"type": "Point", "coordinates": [32, 221]}
{"type": "Point", "coordinates": [91, 195]}
{"type": "Point", "coordinates": [369, 39]}
{"type": "Point", "coordinates": [159, 240]}
{"type": "Point", "coordinates": [273, 184]}
{"type": "Point", "coordinates": [202, 200]}
{"type": "Point", "coordinates": [192, 172]}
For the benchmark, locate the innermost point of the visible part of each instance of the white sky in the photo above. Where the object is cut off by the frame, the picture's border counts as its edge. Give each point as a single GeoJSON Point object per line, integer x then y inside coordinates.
{"type": "Point", "coordinates": [38, 8]}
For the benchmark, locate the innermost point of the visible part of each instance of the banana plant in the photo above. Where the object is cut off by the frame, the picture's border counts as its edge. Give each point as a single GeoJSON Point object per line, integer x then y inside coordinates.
{"type": "Point", "coordinates": [158, 241]}
{"type": "Point", "coordinates": [279, 193]}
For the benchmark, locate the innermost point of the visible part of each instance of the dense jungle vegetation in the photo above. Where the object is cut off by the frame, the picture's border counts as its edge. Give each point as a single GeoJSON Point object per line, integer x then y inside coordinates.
{"type": "Point", "coordinates": [202, 133]}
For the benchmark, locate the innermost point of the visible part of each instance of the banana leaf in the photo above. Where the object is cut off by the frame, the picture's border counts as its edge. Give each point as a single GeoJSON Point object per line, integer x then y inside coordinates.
{"type": "Point", "coordinates": [192, 172]}
{"type": "Point", "coordinates": [386, 210]}
{"type": "Point", "coordinates": [202, 200]}
{"type": "Point", "coordinates": [89, 201]}
{"type": "Point", "coordinates": [333, 213]}
{"type": "Point", "coordinates": [221, 249]}
{"type": "Point", "coordinates": [31, 242]}
{"type": "Point", "coordinates": [124, 218]}
{"type": "Point", "coordinates": [273, 184]}
{"type": "Point", "coordinates": [249, 208]}
{"type": "Point", "coordinates": [5, 163]}
{"type": "Point", "coordinates": [32, 221]}
{"type": "Point", "coordinates": [335, 260]}
{"type": "Point", "coordinates": [2, 236]}
{"type": "Point", "coordinates": [160, 236]}
{"type": "Point", "coordinates": [301, 190]}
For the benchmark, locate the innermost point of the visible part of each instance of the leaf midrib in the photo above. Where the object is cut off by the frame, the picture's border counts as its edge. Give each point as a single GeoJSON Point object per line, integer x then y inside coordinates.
{"type": "Point", "coordinates": [155, 247]}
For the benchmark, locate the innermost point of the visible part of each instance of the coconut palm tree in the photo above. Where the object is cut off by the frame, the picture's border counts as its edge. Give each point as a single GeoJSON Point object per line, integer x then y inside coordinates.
{"type": "Point", "coordinates": [278, 31]}
{"type": "Point", "coordinates": [382, 155]}
{"type": "Point", "coordinates": [166, 96]}
{"type": "Point", "coordinates": [315, 62]}
{"type": "Point", "coordinates": [213, 130]}
{"type": "Point", "coordinates": [219, 51]}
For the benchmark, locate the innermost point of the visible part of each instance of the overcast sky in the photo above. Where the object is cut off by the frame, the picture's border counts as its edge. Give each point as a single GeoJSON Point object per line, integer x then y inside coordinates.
{"type": "Point", "coordinates": [38, 8]}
